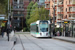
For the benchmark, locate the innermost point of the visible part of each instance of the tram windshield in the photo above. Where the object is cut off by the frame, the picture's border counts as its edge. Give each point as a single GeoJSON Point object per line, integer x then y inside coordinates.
{"type": "Point", "coordinates": [43, 26]}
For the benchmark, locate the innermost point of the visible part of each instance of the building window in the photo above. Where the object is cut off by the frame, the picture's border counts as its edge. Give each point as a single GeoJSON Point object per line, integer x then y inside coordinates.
{"type": "Point", "coordinates": [62, 16]}
{"type": "Point", "coordinates": [66, 16]}
{"type": "Point", "coordinates": [66, 9]}
{"type": "Point", "coordinates": [69, 15]}
{"type": "Point", "coordinates": [69, 1]}
{"type": "Point", "coordinates": [69, 9]}
{"type": "Point", "coordinates": [66, 2]}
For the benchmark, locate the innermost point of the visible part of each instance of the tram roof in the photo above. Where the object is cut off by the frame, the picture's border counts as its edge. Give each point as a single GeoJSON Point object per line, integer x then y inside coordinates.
{"type": "Point", "coordinates": [37, 22]}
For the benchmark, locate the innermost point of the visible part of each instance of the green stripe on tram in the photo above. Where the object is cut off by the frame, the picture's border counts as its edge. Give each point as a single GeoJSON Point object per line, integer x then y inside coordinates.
{"type": "Point", "coordinates": [34, 32]}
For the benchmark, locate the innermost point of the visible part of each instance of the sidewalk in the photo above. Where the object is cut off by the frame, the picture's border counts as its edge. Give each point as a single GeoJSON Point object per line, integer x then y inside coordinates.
{"type": "Point", "coordinates": [5, 44]}
{"type": "Point", "coordinates": [68, 39]}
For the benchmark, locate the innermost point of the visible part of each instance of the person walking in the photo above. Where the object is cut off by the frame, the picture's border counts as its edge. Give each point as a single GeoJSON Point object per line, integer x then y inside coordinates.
{"type": "Point", "coordinates": [8, 30]}
{"type": "Point", "coordinates": [2, 28]}
{"type": "Point", "coordinates": [54, 32]}
{"type": "Point", "coordinates": [2, 31]}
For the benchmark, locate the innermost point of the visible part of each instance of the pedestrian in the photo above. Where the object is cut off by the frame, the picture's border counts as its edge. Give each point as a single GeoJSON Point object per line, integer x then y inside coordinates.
{"type": "Point", "coordinates": [54, 32]}
{"type": "Point", "coordinates": [2, 28]}
{"type": "Point", "coordinates": [58, 33]}
{"type": "Point", "coordinates": [8, 30]}
{"type": "Point", "coordinates": [2, 31]}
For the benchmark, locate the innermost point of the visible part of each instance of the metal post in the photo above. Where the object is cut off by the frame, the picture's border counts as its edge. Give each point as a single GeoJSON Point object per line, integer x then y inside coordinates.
{"type": "Point", "coordinates": [8, 11]}
{"type": "Point", "coordinates": [8, 19]}
{"type": "Point", "coordinates": [49, 19]}
{"type": "Point", "coordinates": [22, 24]}
{"type": "Point", "coordinates": [49, 12]}
{"type": "Point", "coordinates": [54, 16]}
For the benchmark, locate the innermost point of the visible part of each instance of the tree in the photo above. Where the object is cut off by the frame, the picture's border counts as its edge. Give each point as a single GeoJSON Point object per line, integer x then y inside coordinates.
{"type": "Point", "coordinates": [34, 16]}
{"type": "Point", "coordinates": [29, 7]}
{"type": "Point", "coordinates": [3, 6]}
{"type": "Point", "coordinates": [44, 14]}
{"type": "Point", "coordinates": [2, 9]}
{"type": "Point", "coordinates": [35, 13]}
{"type": "Point", "coordinates": [38, 14]}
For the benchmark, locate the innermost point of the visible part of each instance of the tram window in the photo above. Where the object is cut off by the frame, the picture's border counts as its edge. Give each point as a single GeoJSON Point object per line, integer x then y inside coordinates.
{"type": "Point", "coordinates": [47, 29]}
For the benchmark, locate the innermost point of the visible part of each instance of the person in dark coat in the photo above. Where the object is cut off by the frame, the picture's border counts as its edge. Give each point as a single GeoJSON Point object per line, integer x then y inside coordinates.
{"type": "Point", "coordinates": [2, 31]}
{"type": "Point", "coordinates": [53, 32]}
{"type": "Point", "coordinates": [8, 30]}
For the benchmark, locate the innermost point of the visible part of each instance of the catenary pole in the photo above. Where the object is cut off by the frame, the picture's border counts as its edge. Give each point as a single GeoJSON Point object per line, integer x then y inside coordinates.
{"type": "Point", "coordinates": [54, 16]}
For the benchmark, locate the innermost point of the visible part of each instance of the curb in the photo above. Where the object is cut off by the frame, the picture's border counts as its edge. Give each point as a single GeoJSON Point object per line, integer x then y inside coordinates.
{"type": "Point", "coordinates": [64, 40]}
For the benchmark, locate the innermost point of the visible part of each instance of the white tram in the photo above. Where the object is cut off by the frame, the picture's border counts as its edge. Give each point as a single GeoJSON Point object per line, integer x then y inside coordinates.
{"type": "Point", "coordinates": [40, 28]}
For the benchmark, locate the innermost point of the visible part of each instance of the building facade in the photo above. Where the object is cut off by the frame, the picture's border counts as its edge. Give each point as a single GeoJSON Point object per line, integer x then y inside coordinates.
{"type": "Point", "coordinates": [19, 11]}
{"type": "Point", "coordinates": [64, 11]}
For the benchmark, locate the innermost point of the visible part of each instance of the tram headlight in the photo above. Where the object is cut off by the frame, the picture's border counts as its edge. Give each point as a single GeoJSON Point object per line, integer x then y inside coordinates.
{"type": "Point", "coordinates": [40, 33]}
{"type": "Point", "coordinates": [46, 33]}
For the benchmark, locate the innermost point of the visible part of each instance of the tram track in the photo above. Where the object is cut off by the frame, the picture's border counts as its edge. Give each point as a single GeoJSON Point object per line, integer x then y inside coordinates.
{"type": "Point", "coordinates": [34, 42]}
{"type": "Point", "coordinates": [21, 43]}
{"type": "Point", "coordinates": [41, 47]}
{"type": "Point", "coordinates": [30, 40]}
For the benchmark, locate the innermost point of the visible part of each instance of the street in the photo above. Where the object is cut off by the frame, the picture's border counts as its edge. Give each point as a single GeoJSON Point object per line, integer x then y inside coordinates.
{"type": "Point", "coordinates": [28, 42]}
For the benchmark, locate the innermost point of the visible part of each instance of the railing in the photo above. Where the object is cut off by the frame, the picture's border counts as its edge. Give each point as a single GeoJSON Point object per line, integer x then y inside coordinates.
{"type": "Point", "coordinates": [17, 3]}
{"type": "Point", "coordinates": [18, 7]}
{"type": "Point", "coordinates": [72, 9]}
{"type": "Point", "coordinates": [47, 6]}
{"type": "Point", "coordinates": [72, 1]}
{"type": "Point", "coordinates": [18, 15]}
{"type": "Point", "coordinates": [14, 2]}
{"type": "Point", "coordinates": [60, 3]}
{"type": "Point", "coordinates": [60, 9]}
{"type": "Point", "coordinates": [47, 1]}
{"type": "Point", "coordinates": [60, 0]}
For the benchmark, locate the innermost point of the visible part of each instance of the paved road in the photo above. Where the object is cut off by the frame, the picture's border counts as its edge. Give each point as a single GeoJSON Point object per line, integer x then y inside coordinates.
{"type": "Point", "coordinates": [27, 42]}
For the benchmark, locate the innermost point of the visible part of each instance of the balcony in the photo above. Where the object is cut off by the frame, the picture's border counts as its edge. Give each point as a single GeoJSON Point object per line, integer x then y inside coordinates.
{"type": "Point", "coordinates": [55, 7]}
{"type": "Point", "coordinates": [18, 15]}
{"type": "Point", "coordinates": [16, 3]}
{"type": "Point", "coordinates": [47, 1]}
{"type": "Point", "coordinates": [21, 8]}
{"type": "Point", "coordinates": [71, 3]}
{"type": "Point", "coordinates": [71, 10]}
{"type": "Point", "coordinates": [72, 16]}
{"type": "Point", "coordinates": [55, 0]}
{"type": "Point", "coordinates": [60, 4]}
{"type": "Point", "coordinates": [60, 0]}
{"type": "Point", "coordinates": [47, 6]}
{"type": "Point", "coordinates": [60, 12]}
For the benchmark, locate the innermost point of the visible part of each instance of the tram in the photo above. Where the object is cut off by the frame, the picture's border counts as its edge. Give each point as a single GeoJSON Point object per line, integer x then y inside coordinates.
{"type": "Point", "coordinates": [40, 28]}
